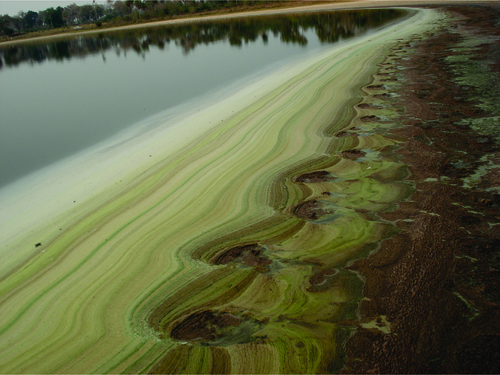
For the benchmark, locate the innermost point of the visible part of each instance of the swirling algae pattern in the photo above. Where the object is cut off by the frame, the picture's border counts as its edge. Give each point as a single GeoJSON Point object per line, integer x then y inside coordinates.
{"type": "Point", "coordinates": [227, 256]}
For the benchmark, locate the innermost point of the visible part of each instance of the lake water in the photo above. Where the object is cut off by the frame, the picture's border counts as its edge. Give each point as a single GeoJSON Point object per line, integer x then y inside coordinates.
{"type": "Point", "coordinates": [60, 97]}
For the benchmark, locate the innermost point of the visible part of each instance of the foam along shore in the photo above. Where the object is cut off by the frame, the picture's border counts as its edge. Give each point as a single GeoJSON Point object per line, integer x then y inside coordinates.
{"type": "Point", "coordinates": [119, 224]}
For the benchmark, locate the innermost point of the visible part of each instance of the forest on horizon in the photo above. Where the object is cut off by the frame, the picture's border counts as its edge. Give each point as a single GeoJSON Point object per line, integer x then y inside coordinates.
{"type": "Point", "coordinates": [113, 13]}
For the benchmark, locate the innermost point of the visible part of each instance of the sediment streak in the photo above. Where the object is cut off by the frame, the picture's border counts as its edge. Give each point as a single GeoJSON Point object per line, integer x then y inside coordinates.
{"type": "Point", "coordinates": [213, 254]}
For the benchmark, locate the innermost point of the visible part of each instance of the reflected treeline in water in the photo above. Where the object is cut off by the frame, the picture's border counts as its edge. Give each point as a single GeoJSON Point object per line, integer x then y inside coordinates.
{"type": "Point", "coordinates": [330, 27]}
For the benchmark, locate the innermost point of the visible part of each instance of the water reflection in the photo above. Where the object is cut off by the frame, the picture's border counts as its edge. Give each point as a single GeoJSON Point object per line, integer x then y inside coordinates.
{"type": "Point", "coordinates": [330, 27]}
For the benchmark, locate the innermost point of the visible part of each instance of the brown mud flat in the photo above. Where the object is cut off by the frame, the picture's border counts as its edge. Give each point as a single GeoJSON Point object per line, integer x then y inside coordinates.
{"type": "Point", "coordinates": [438, 280]}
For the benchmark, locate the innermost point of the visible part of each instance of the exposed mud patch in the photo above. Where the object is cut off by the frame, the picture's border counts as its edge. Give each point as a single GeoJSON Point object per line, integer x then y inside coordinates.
{"type": "Point", "coordinates": [214, 328]}
{"type": "Point", "coordinates": [249, 255]}
{"type": "Point", "coordinates": [311, 210]}
{"type": "Point", "coordinates": [318, 176]}
{"type": "Point", "coordinates": [353, 154]}
{"type": "Point", "coordinates": [384, 95]}
{"type": "Point", "coordinates": [367, 106]}
{"type": "Point", "coordinates": [371, 118]}
{"type": "Point", "coordinates": [322, 280]}
{"type": "Point", "coordinates": [376, 87]}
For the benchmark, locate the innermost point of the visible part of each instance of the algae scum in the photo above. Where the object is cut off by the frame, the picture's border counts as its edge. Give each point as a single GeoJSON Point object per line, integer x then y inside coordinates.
{"type": "Point", "coordinates": [230, 248]}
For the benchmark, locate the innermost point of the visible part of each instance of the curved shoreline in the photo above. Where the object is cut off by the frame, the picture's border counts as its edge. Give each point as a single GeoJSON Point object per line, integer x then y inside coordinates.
{"type": "Point", "coordinates": [343, 5]}
{"type": "Point", "coordinates": [120, 277]}
{"type": "Point", "coordinates": [228, 253]}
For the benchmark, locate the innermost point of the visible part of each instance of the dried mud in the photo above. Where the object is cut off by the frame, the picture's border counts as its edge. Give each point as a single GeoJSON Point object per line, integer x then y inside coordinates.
{"type": "Point", "coordinates": [437, 280]}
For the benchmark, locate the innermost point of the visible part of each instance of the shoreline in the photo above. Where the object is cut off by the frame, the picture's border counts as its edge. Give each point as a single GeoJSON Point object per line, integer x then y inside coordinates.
{"type": "Point", "coordinates": [132, 253]}
{"type": "Point", "coordinates": [414, 268]}
{"type": "Point", "coordinates": [344, 5]}
{"type": "Point", "coordinates": [102, 161]}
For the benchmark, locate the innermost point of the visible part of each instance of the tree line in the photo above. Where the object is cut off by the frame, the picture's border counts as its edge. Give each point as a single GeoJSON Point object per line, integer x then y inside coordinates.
{"type": "Point", "coordinates": [330, 27]}
{"type": "Point", "coordinates": [114, 12]}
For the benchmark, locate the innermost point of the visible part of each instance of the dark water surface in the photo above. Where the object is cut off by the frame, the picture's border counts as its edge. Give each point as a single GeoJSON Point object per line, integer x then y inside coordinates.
{"type": "Point", "coordinates": [62, 96]}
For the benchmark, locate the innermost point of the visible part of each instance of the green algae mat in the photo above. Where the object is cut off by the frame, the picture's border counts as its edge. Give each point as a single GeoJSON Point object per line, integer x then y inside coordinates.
{"type": "Point", "coordinates": [224, 252]}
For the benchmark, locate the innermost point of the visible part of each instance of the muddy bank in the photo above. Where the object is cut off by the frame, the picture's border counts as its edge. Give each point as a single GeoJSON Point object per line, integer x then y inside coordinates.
{"type": "Point", "coordinates": [437, 281]}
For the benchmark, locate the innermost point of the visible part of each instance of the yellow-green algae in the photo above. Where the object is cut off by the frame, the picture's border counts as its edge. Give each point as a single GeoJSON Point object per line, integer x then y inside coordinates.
{"type": "Point", "coordinates": [103, 294]}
